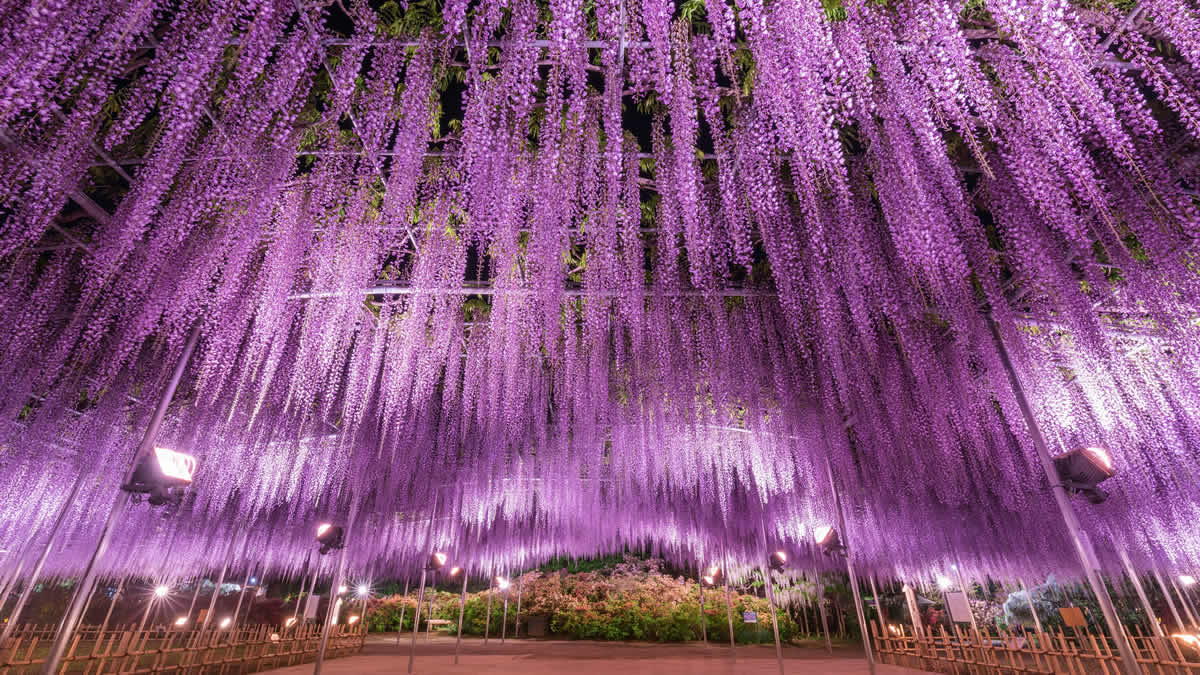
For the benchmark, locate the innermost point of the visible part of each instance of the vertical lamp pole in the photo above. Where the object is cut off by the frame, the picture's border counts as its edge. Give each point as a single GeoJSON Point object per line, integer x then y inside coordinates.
{"type": "Point", "coordinates": [862, 619]}
{"type": "Point", "coordinates": [212, 602]}
{"type": "Point", "coordinates": [15, 616]}
{"type": "Point", "coordinates": [824, 618]}
{"type": "Point", "coordinates": [504, 619]}
{"type": "Point", "coordinates": [75, 609]}
{"type": "Point", "coordinates": [403, 606]}
{"type": "Point", "coordinates": [703, 625]}
{"type": "Point", "coordinates": [1037, 623]}
{"type": "Point", "coordinates": [331, 612]}
{"type": "Point", "coordinates": [517, 618]}
{"type": "Point", "coordinates": [412, 650]}
{"type": "Point", "coordinates": [462, 605]}
{"type": "Point", "coordinates": [1136, 580]}
{"type": "Point", "coordinates": [729, 609]}
{"type": "Point", "coordinates": [487, 620]}
{"type": "Point", "coordinates": [1083, 546]}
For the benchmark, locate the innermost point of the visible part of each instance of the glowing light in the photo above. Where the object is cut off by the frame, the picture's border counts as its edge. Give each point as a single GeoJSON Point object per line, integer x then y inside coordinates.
{"type": "Point", "coordinates": [352, 620]}
{"type": "Point", "coordinates": [161, 591]}
{"type": "Point", "coordinates": [454, 571]}
{"type": "Point", "coordinates": [364, 590]}
{"type": "Point", "coordinates": [502, 583]}
{"type": "Point", "coordinates": [1101, 457]}
{"type": "Point", "coordinates": [440, 558]}
{"type": "Point", "coordinates": [1187, 580]}
{"type": "Point", "coordinates": [944, 583]}
{"type": "Point", "coordinates": [323, 528]}
{"type": "Point", "coordinates": [175, 465]}
{"type": "Point", "coordinates": [226, 621]}
{"type": "Point", "coordinates": [290, 622]}
{"type": "Point", "coordinates": [822, 533]}
{"type": "Point", "coordinates": [342, 589]}
{"type": "Point", "coordinates": [1188, 639]}
{"type": "Point", "coordinates": [781, 556]}
{"type": "Point", "coordinates": [710, 580]}
{"type": "Point", "coordinates": [181, 621]}
{"type": "Point", "coordinates": [714, 571]}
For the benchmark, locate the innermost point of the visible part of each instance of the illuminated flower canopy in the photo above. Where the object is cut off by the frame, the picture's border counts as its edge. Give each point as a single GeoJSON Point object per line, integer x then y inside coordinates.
{"type": "Point", "coordinates": [553, 278]}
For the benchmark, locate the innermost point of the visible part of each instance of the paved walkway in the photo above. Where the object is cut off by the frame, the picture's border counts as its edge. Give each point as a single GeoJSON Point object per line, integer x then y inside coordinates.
{"type": "Point", "coordinates": [543, 657]}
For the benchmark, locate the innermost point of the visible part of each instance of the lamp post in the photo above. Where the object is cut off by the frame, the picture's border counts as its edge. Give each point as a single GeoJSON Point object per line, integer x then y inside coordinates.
{"type": "Point", "coordinates": [517, 618]}
{"type": "Point", "coordinates": [403, 606]}
{"type": "Point", "coordinates": [331, 612]}
{"type": "Point", "coordinates": [729, 610]}
{"type": "Point", "coordinates": [462, 605]}
{"type": "Point", "coordinates": [862, 619]}
{"type": "Point", "coordinates": [504, 619]}
{"type": "Point", "coordinates": [74, 611]}
{"type": "Point", "coordinates": [1141, 593]}
{"type": "Point", "coordinates": [26, 592]}
{"type": "Point", "coordinates": [1082, 545]}
{"type": "Point", "coordinates": [487, 619]}
{"type": "Point", "coordinates": [703, 627]}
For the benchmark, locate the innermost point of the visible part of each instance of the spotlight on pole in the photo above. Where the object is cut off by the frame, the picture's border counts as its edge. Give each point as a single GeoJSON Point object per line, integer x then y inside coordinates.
{"type": "Point", "coordinates": [330, 537]}
{"type": "Point", "coordinates": [161, 591]}
{"type": "Point", "coordinates": [436, 561]}
{"type": "Point", "coordinates": [1187, 580]}
{"type": "Point", "coordinates": [162, 475]}
{"type": "Point", "coordinates": [1083, 469]}
{"type": "Point", "coordinates": [778, 561]}
{"type": "Point", "coordinates": [829, 540]}
{"type": "Point", "coordinates": [944, 583]}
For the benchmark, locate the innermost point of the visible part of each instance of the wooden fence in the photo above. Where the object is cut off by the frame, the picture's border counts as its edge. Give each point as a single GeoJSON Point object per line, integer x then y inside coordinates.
{"type": "Point", "coordinates": [164, 649]}
{"type": "Point", "coordinates": [1002, 653]}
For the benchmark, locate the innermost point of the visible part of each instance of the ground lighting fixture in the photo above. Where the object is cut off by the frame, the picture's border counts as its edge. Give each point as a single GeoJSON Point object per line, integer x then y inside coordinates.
{"type": "Point", "coordinates": [778, 561]}
{"type": "Point", "coordinates": [162, 475]}
{"type": "Point", "coordinates": [331, 537]}
{"type": "Point", "coordinates": [829, 540]}
{"type": "Point", "coordinates": [436, 561]}
{"type": "Point", "coordinates": [1083, 469]}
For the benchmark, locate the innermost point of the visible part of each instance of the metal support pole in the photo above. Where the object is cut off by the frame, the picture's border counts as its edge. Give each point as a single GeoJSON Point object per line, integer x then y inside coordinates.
{"type": "Point", "coordinates": [487, 620]}
{"type": "Point", "coordinates": [195, 595]}
{"type": "Point", "coordinates": [1187, 604]}
{"type": "Point", "coordinates": [824, 616]}
{"type": "Point", "coordinates": [10, 583]}
{"type": "Point", "coordinates": [517, 618]}
{"type": "Point", "coordinates": [962, 585]}
{"type": "Point", "coordinates": [1037, 623]}
{"type": "Point", "coordinates": [241, 596]}
{"type": "Point", "coordinates": [403, 606]}
{"type": "Point", "coordinates": [212, 603]}
{"type": "Point", "coordinates": [703, 626]}
{"type": "Point", "coordinates": [766, 570]}
{"type": "Point", "coordinates": [862, 618]}
{"type": "Point", "coordinates": [412, 651]}
{"type": "Point", "coordinates": [1141, 592]}
{"type": "Point", "coordinates": [914, 610]}
{"type": "Point", "coordinates": [729, 610]}
{"type": "Point", "coordinates": [878, 606]}
{"type": "Point", "coordinates": [108, 615]}
{"type": "Point", "coordinates": [331, 612]}
{"type": "Point", "coordinates": [15, 616]}
{"type": "Point", "coordinates": [71, 618]}
{"type": "Point", "coordinates": [504, 620]}
{"type": "Point", "coordinates": [429, 614]}
{"type": "Point", "coordinates": [462, 606]}
{"type": "Point", "coordinates": [1079, 540]}
{"type": "Point", "coordinates": [146, 614]}
{"type": "Point", "coordinates": [1167, 594]}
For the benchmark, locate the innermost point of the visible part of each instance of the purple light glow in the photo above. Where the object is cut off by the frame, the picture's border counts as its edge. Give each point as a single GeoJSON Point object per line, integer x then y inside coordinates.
{"type": "Point", "coordinates": [496, 343]}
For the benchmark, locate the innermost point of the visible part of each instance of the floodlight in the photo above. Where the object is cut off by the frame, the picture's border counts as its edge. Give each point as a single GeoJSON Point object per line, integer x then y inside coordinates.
{"type": "Point", "coordinates": [502, 583]}
{"type": "Point", "coordinates": [436, 561]}
{"type": "Point", "coordinates": [1083, 469]}
{"type": "Point", "coordinates": [1187, 580]}
{"type": "Point", "coordinates": [714, 571]}
{"type": "Point", "coordinates": [778, 561]}
{"type": "Point", "coordinates": [342, 589]}
{"type": "Point", "coordinates": [161, 591]}
{"type": "Point", "coordinates": [364, 590]}
{"type": "Point", "coordinates": [181, 621]}
{"type": "Point", "coordinates": [253, 580]}
{"type": "Point", "coordinates": [1188, 639]}
{"type": "Point", "coordinates": [290, 622]}
{"type": "Point", "coordinates": [352, 620]}
{"type": "Point", "coordinates": [709, 580]}
{"type": "Point", "coordinates": [330, 537]}
{"type": "Point", "coordinates": [454, 571]}
{"type": "Point", "coordinates": [944, 583]}
{"type": "Point", "coordinates": [158, 473]}
{"type": "Point", "coordinates": [226, 621]}
{"type": "Point", "coordinates": [829, 540]}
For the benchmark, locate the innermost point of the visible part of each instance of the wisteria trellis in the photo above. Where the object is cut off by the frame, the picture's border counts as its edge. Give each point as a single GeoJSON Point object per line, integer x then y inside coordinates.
{"type": "Point", "coordinates": [666, 261]}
